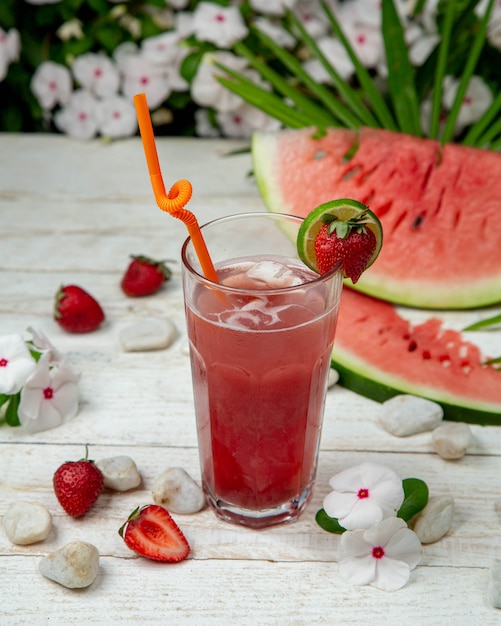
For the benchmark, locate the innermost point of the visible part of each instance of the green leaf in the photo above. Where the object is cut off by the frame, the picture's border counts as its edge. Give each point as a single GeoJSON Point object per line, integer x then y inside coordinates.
{"type": "Point", "coordinates": [264, 100]}
{"type": "Point", "coordinates": [11, 416]}
{"type": "Point", "coordinates": [303, 102]}
{"type": "Point", "coordinates": [471, 63]}
{"type": "Point", "coordinates": [372, 93]}
{"type": "Point", "coordinates": [3, 399]}
{"type": "Point", "coordinates": [492, 361]}
{"type": "Point", "coordinates": [330, 524]}
{"type": "Point", "coordinates": [415, 498]}
{"type": "Point", "coordinates": [400, 72]}
{"type": "Point", "coordinates": [348, 95]}
{"type": "Point", "coordinates": [443, 52]}
{"type": "Point", "coordinates": [490, 321]}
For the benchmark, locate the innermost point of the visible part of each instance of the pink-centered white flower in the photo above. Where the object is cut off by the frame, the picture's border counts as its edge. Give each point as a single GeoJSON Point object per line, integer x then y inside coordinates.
{"type": "Point", "coordinates": [78, 118]}
{"type": "Point", "coordinates": [140, 75]}
{"type": "Point", "coordinates": [336, 54]}
{"type": "Point", "coordinates": [161, 49]}
{"type": "Point", "coordinates": [42, 344]}
{"type": "Point", "coordinates": [97, 73]}
{"type": "Point", "coordinates": [272, 7]}
{"type": "Point", "coordinates": [476, 101]}
{"type": "Point", "coordinates": [279, 35]}
{"type": "Point", "coordinates": [51, 83]}
{"type": "Point", "coordinates": [312, 17]}
{"type": "Point", "coordinates": [116, 117]}
{"type": "Point", "coordinates": [49, 397]}
{"type": "Point", "coordinates": [244, 121]}
{"type": "Point", "coordinates": [222, 26]}
{"type": "Point", "coordinates": [382, 556]}
{"type": "Point", "coordinates": [364, 495]}
{"type": "Point", "coordinates": [16, 364]}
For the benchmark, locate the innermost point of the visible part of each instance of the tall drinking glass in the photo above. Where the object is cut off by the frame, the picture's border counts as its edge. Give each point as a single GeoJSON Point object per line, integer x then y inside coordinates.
{"type": "Point", "coordinates": [260, 346]}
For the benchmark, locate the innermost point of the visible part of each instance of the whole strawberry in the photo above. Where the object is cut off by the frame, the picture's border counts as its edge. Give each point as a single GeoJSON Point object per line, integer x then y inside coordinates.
{"type": "Point", "coordinates": [347, 241]}
{"type": "Point", "coordinates": [144, 276]}
{"type": "Point", "coordinates": [77, 485]}
{"type": "Point", "coordinates": [76, 310]}
{"type": "Point", "coordinates": [151, 532]}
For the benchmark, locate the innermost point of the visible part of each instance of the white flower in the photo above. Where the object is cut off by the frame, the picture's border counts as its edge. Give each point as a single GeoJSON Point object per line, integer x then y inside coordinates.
{"type": "Point", "coordinates": [382, 556]}
{"type": "Point", "coordinates": [476, 101]}
{"type": "Point", "coordinates": [49, 397]}
{"type": "Point", "coordinates": [96, 73]}
{"type": "Point", "coordinates": [51, 83]}
{"type": "Point", "coordinates": [140, 75]}
{"type": "Point", "coordinates": [161, 49]}
{"type": "Point", "coordinates": [116, 116]}
{"type": "Point", "coordinates": [207, 91]}
{"type": "Point", "coordinates": [16, 364]}
{"type": "Point", "coordinates": [364, 495]}
{"type": "Point", "coordinates": [43, 345]}
{"type": "Point", "coordinates": [367, 43]}
{"type": "Point", "coordinates": [312, 17]}
{"type": "Point", "coordinates": [272, 7]}
{"type": "Point", "coordinates": [78, 118]}
{"type": "Point", "coordinates": [220, 25]}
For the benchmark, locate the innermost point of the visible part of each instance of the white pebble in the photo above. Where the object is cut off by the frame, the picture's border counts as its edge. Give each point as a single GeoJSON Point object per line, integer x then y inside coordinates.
{"type": "Point", "coordinates": [405, 415]}
{"type": "Point", "coordinates": [148, 334]}
{"type": "Point", "coordinates": [175, 490]}
{"type": "Point", "coordinates": [120, 473]}
{"type": "Point", "coordinates": [495, 584]}
{"type": "Point", "coordinates": [74, 566]}
{"type": "Point", "coordinates": [435, 520]}
{"type": "Point", "coordinates": [333, 378]}
{"type": "Point", "coordinates": [27, 522]}
{"type": "Point", "coordinates": [451, 440]}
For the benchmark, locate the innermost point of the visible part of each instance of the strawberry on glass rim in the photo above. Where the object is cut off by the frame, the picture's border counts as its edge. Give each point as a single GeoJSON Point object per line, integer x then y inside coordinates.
{"type": "Point", "coordinates": [341, 233]}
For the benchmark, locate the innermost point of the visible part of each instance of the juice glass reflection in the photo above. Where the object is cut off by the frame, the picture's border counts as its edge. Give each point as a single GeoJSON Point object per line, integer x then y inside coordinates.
{"type": "Point", "coordinates": [260, 347]}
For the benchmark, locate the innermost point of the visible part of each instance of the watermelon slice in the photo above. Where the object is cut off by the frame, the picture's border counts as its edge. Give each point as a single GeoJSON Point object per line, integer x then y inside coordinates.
{"type": "Point", "coordinates": [380, 354]}
{"type": "Point", "coordinates": [440, 207]}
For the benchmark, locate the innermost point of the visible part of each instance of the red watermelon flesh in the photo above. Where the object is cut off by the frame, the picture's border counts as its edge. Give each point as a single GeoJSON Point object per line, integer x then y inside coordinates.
{"type": "Point", "coordinates": [380, 354]}
{"type": "Point", "coordinates": [439, 207]}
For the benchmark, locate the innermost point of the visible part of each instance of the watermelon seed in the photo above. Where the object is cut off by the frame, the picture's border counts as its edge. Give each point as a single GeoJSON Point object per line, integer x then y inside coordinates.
{"type": "Point", "coordinates": [320, 154]}
{"type": "Point", "coordinates": [418, 221]}
{"type": "Point", "coordinates": [412, 346]}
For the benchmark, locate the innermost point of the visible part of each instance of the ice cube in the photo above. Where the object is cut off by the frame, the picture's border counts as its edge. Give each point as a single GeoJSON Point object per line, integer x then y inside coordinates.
{"type": "Point", "coordinates": [274, 274]}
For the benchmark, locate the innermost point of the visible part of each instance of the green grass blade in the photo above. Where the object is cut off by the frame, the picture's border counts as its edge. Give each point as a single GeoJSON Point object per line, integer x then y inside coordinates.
{"type": "Point", "coordinates": [491, 134]}
{"type": "Point", "coordinates": [471, 62]}
{"type": "Point", "coordinates": [303, 102]}
{"type": "Point", "coordinates": [267, 102]}
{"type": "Point", "coordinates": [336, 108]}
{"type": "Point", "coordinates": [443, 53]}
{"type": "Point", "coordinates": [474, 135]}
{"type": "Point", "coordinates": [379, 106]}
{"type": "Point", "coordinates": [349, 95]}
{"type": "Point", "coordinates": [400, 72]}
{"type": "Point", "coordinates": [490, 321]}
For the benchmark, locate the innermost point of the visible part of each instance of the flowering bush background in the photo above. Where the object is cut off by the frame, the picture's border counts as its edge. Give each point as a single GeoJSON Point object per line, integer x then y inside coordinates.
{"type": "Point", "coordinates": [73, 66]}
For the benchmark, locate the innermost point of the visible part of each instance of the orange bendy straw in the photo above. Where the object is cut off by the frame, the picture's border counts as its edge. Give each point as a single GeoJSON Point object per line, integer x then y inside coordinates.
{"type": "Point", "coordinates": [179, 194]}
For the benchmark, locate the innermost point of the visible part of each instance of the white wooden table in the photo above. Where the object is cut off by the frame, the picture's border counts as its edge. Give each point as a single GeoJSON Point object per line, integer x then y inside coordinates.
{"type": "Point", "coordinates": [73, 212]}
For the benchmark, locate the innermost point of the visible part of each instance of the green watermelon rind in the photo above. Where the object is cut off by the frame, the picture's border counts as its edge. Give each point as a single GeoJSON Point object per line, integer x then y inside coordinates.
{"type": "Point", "coordinates": [356, 375]}
{"type": "Point", "coordinates": [422, 294]}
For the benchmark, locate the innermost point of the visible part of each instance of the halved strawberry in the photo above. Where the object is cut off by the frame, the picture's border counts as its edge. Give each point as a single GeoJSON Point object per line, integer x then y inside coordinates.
{"type": "Point", "coordinates": [151, 532]}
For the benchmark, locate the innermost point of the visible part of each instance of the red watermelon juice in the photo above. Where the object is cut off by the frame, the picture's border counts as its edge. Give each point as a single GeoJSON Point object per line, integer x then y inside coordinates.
{"type": "Point", "coordinates": [260, 344]}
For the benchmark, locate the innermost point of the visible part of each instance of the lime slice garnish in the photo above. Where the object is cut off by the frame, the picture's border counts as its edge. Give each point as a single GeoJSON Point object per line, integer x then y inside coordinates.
{"type": "Point", "coordinates": [342, 209]}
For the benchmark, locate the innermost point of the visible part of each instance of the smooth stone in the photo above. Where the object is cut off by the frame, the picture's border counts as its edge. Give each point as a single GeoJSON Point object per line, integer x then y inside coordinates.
{"type": "Point", "coordinates": [451, 440]}
{"type": "Point", "coordinates": [495, 584]}
{"type": "Point", "coordinates": [405, 415]}
{"type": "Point", "coordinates": [27, 522]}
{"type": "Point", "coordinates": [435, 520]}
{"type": "Point", "coordinates": [120, 473]}
{"type": "Point", "coordinates": [73, 566]}
{"type": "Point", "coordinates": [148, 334]}
{"type": "Point", "coordinates": [333, 378]}
{"type": "Point", "coordinates": [175, 490]}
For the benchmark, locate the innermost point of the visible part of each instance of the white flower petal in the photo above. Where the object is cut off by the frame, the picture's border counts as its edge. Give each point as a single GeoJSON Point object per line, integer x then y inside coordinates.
{"type": "Point", "coordinates": [337, 504]}
{"type": "Point", "coordinates": [405, 546]}
{"type": "Point", "coordinates": [390, 575]}
{"type": "Point", "coordinates": [16, 363]}
{"type": "Point", "coordinates": [359, 570]}
{"type": "Point", "coordinates": [381, 534]}
{"type": "Point", "coordinates": [364, 514]}
{"type": "Point", "coordinates": [353, 543]}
